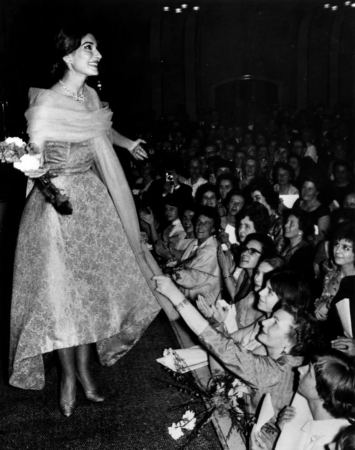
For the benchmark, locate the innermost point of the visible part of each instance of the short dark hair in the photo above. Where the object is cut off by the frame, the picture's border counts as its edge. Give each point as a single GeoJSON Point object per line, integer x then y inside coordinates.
{"type": "Point", "coordinates": [211, 213]}
{"type": "Point", "coordinates": [267, 191]}
{"type": "Point", "coordinates": [258, 214]}
{"type": "Point", "coordinates": [335, 382]}
{"type": "Point", "coordinates": [346, 231]}
{"type": "Point", "coordinates": [203, 189]}
{"type": "Point", "coordinates": [284, 166]}
{"type": "Point", "coordinates": [266, 242]}
{"type": "Point", "coordinates": [291, 289]}
{"type": "Point", "coordinates": [305, 223]}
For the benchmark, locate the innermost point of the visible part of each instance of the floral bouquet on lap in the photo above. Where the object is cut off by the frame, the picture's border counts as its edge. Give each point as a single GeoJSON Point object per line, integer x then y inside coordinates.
{"type": "Point", "coordinates": [27, 158]}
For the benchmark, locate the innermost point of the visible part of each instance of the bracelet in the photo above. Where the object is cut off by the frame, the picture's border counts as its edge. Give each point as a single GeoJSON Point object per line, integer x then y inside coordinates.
{"type": "Point", "coordinates": [182, 304]}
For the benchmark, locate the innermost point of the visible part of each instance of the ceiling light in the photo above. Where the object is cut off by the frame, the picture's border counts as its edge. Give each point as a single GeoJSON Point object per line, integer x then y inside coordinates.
{"type": "Point", "coordinates": [326, 5]}
{"type": "Point", "coordinates": [166, 8]}
{"type": "Point", "coordinates": [334, 8]}
{"type": "Point", "coordinates": [347, 3]}
{"type": "Point", "coordinates": [184, 6]}
{"type": "Point", "coordinates": [178, 10]}
{"type": "Point", "coordinates": [196, 8]}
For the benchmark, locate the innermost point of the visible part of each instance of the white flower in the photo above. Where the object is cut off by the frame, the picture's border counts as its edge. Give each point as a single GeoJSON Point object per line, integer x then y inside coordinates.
{"type": "Point", "coordinates": [15, 140]}
{"type": "Point", "coordinates": [27, 163]}
{"type": "Point", "coordinates": [167, 352]}
{"type": "Point", "coordinates": [188, 420]}
{"type": "Point", "coordinates": [175, 431]}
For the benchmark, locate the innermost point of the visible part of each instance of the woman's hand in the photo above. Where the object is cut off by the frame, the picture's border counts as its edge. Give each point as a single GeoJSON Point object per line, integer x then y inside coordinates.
{"type": "Point", "coordinates": [224, 237]}
{"type": "Point", "coordinates": [224, 261]}
{"type": "Point", "coordinates": [345, 345]}
{"type": "Point", "coordinates": [163, 250]}
{"type": "Point", "coordinates": [259, 441]}
{"type": "Point", "coordinates": [321, 312]}
{"type": "Point", "coordinates": [137, 151]}
{"type": "Point", "coordinates": [211, 310]}
{"type": "Point", "coordinates": [285, 416]}
{"type": "Point", "coordinates": [147, 216]}
{"type": "Point", "coordinates": [166, 286]}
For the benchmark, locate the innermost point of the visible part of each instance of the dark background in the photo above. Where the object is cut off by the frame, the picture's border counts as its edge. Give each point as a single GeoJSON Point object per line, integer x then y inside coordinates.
{"type": "Point", "coordinates": [294, 52]}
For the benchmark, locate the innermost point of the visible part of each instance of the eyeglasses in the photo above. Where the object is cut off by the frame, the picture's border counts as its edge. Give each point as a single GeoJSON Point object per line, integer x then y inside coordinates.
{"type": "Point", "coordinates": [251, 251]}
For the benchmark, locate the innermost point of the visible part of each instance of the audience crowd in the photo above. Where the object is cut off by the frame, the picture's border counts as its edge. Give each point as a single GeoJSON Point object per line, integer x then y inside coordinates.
{"type": "Point", "coordinates": [254, 229]}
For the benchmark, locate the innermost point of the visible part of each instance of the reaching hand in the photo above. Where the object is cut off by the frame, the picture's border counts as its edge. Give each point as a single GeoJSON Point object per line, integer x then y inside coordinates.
{"type": "Point", "coordinates": [166, 286]}
{"type": "Point", "coordinates": [345, 345]}
{"type": "Point", "coordinates": [285, 416]}
{"type": "Point", "coordinates": [137, 151]}
{"type": "Point", "coordinates": [224, 262]}
{"type": "Point", "coordinates": [147, 216]}
{"type": "Point", "coordinates": [207, 306]}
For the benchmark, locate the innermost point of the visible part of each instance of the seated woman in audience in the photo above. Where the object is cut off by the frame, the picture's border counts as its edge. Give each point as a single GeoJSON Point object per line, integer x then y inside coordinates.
{"type": "Point", "coordinates": [239, 158]}
{"type": "Point", "coordinates": [235, 203]}
{"type": "Point", "coordinates": [169, 250]}
{"type": "Point", "coordinates": [296, 163]}
{"type": "Point", "coordinates": [310, 205]}
{"type": "Point", "coordinates": [287, 335]}
{"type": "Point", "coordinates": [343, 253]}
{"type": "Point", "coordinates": [250, 171]}
{"type": "Point", "coordinates": [328, 385]}
{"type": "Point", "coordinates": [225, 183]}
{"type": "Point", "coordinates": [246, 312]}
{"type": "Point", "coordinates": [174, 230]}
{"type": "Point", "coordinates": [239, 281]}
{"type": "Point", "coordinates": [323, 260]}
{"type": "Point", "coordinates": [283, 175]}
{"type": "Point", "coordinates": [253, 219]}
{"type": "Point", "coordinates": [207, 195]}
{"type": "Point", "coordinates": [299, 253]}
{"type": "Point", "coordinates": [198, 271]}
{"type": "Point", "coordinates": [261, 191]}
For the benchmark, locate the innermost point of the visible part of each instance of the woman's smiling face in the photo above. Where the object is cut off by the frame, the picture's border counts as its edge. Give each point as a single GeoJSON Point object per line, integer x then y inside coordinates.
{"type": "Point", "coordinates": [85, 59]}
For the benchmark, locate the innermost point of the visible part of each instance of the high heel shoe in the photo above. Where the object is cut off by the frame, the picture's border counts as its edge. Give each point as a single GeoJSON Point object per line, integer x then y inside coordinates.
{"type": "Point", "coordinates": [67, 407]}
{"type": "Point", "coordinates": [92, 393]}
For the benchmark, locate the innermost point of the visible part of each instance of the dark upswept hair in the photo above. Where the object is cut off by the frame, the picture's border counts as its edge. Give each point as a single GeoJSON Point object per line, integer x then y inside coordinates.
{"type": "Point", "coordinates": [211, 213]}
{"type": "Point", "coordinates": [335, 382]}
{"type": "Point", "coordinates": [267, 191]}
{"type": "Point", "coordinates": [203, 189]}
{"type": "Point", "coordinates": [345, 231]}
{"type": "Point", "coordinates": [305, 223]}
{"type": "Point", "coordinates": [227, 176]}
{"type": "Point", "coordinates": [65, 42]}
{"type": "Point", "coordinates": [291, 289]}
{"type": "Point", "coordinates": [258, 214]}
{"type": "Point", "coordinates": [276, 262]}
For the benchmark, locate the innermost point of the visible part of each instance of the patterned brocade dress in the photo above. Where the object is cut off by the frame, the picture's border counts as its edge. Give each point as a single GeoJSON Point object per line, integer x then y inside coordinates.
{"type": "Point", "coordinates": [76, 278]}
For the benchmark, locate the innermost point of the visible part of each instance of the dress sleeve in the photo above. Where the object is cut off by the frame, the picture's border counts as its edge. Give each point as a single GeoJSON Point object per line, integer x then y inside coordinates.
{"type": "Point", "coordinates": [255, 370]}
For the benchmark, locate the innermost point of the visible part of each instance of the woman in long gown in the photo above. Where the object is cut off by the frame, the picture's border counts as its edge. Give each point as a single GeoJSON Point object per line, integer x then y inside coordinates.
{"type": "Point", "coordinates": [82, 278]}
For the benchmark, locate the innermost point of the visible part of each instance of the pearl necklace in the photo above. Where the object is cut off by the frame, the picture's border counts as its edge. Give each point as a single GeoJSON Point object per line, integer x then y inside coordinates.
{"type": "Point", "coordinates": [78, 97]}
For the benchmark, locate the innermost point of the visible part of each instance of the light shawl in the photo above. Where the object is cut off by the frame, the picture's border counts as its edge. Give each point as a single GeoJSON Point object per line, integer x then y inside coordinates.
{"type": "Point", "coordinates": [52, 116]}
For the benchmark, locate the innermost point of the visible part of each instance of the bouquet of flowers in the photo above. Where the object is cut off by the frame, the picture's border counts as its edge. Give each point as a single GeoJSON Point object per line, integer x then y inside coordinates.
{"type": "Point", "coordinates": [27, 158]}
{"type": "Point", "coordinates": [224, 394]}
